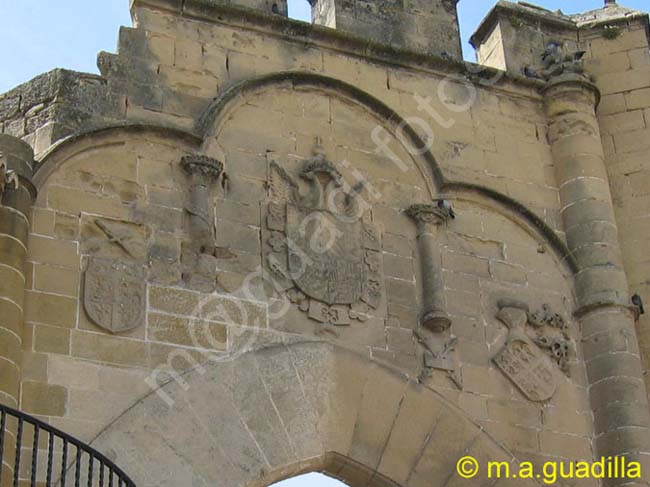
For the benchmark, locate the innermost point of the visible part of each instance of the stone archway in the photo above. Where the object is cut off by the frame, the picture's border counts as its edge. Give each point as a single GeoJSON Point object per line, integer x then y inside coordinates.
{"type": "Point", "coordinates": [281, 411]}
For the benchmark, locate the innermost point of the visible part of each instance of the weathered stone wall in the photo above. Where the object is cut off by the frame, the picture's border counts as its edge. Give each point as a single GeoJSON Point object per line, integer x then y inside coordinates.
{"type": "Point", "coordinates": [425, 26]}
{"type": "Point", "coordinates": [148, 241]}
{"type": "Point", "coordinates": [621, 66]}
{"type": "Point", "coordinates": [57, 104]}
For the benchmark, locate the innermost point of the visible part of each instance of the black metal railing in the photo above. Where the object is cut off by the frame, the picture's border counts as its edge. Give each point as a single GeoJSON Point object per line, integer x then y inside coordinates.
{"type": "Point", "coordinates": [66, 461]}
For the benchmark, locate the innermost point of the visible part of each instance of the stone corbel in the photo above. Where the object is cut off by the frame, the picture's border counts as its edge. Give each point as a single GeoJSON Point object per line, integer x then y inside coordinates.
{"type": "Point", "coordinates": [199, 255]}
{"type": "Point", "coordinates": [429, 218]}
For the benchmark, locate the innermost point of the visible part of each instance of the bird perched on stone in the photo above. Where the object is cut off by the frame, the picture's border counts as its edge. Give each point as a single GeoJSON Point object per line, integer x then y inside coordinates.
{"type": "Point", "coordinates": [531, 72]}
{"type": "Point", "coordinates": [556, 62]}
{"type": "Point", "coordinates": [638, 302]}
{"type": "Point", "coordinates": [6, 176]}
{"type": "Point", "coordinates": [445, 206]}
{"type": "Point", "coordinates": [552, 54]}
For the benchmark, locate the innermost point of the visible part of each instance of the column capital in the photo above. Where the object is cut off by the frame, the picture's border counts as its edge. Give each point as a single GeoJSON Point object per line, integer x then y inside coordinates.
{"type": "Point", "coordinates": [571, 82]}
{"type": "Point", "coordinates": [199, 165]}
{"type": "Point", "coordinates": [431, 213]}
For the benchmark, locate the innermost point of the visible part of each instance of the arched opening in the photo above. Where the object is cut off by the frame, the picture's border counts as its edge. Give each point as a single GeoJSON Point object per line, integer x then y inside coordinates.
{"type": "Point", "coordinates": [310, 480]}
{"type": "Point", "coordinates": [276, 412]}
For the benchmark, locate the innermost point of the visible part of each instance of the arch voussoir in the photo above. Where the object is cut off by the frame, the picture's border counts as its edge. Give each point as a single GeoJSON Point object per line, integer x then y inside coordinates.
{"type": "Point", "coordinates": [273, 413]}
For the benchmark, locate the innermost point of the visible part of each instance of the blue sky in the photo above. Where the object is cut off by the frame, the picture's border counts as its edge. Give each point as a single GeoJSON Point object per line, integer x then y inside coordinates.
{"type": "Point", "coordinates": [39, 35]}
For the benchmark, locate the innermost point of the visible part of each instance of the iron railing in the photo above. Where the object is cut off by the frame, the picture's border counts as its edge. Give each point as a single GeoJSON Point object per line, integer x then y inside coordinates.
{"type": "Point", "coordinates": [24, 440]}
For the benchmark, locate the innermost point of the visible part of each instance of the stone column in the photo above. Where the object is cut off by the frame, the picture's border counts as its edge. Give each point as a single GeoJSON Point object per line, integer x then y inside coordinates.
{"type": "Point", "coordinates": [17, 195]}
{"type": "Point", "coordinates": [199, 258]}
{"type": "Point", "coordinates": [428, 218]}
{"type": "Point", "coordinates": [616, 387]}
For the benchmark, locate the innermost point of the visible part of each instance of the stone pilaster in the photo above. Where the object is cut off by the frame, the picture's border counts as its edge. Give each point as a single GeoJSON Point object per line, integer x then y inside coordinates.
{"type": "Point", "coordinates": [617, 390]}
{"type": "Point", "coordinates": [429, 218]}
{"type": "Point", "coordinates": [16, 197]}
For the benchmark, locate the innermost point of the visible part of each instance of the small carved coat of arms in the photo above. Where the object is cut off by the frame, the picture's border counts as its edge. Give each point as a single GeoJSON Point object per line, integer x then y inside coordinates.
{"type": "Point", "coordinates": [319, 248]}
{"type": "Point", "coordinates": [115, 294]}
{"type": "Point", "coordinates": [523, 362]}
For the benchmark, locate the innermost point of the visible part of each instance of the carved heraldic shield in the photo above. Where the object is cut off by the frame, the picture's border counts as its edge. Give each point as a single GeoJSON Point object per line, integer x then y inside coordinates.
{"type": "Point", "coordinates": [523, 362]}
{"type": "Point", "coordinates": [114, 294]}
{"type": "Point", "coordinates": [322, 252]}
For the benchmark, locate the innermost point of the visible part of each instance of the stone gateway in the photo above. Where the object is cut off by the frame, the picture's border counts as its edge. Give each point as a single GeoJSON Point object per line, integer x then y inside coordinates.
{"type": "Point", "coordinates": [254, 247]}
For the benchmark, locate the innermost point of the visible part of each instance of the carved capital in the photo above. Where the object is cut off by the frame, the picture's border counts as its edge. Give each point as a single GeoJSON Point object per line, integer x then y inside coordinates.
{"type": "Point", "coordinates": [202, 166]}
{"type": "Point", "coordinates": [430, 214]}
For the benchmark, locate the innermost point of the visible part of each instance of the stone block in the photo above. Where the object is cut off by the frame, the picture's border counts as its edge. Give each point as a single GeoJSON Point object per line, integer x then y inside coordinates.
{"type": "Point", "coordinates": [34, 366]}
{"type": "Point", "coordinates": [12, 252]}
{"type": "Point", "coordinates": [451, 438]}
{"type": "Point", "coordinates": [519, 413]}
{"type": "Point", "coordinates": [66, 227]}
{"type": "Point", "coordinates": [377, 412]}
{"type": "Point", "coordinates": [623, 122]}
{"type": "Point", "coordinates": [399, 267]}
{"type": "Point", "coordinates": [417, 416]}
{"type": "Point", "coordinates": [9, 379]}
{"type": "Point", "coordinates": [12, 284]}
{"type": "Point", "coordinates": [473, 405]}
{"type": "Point", "coordinates": [465, 264]}
{"type": "Point", "coordinates": [507, 273]}
{"type": "Point", "coordinates": [51, 339]}
{"type": "Point", "coordinates": [195, 333]}
{"type": "Point", "coordinates": [56, 280]}
{"type": "Point", "coordinates": [51, 251]}
{"type": "Point", "coordinates": [174, 300]}
{"type": "Point", "coordinates": [400, 292]}
{"type": "Point", "coordinates": [609, 391]}
{"type": "Point", "coordinates": [401, 340]}
{"type": "Point", "coordinates": [402, 316]}
{"type": "Point", "coordinates": [14, 224]}
{"type": "Point", "coordinates": [619, 415]}
{"type": "Point", "coordinates": [44, 399]}
{"type": "Point", "coordinates": [235, 236]}
{"type": "Point", "coordinates": [397, 245]}
{"type": "Point", "coordinates": [73, 374]}
{"type": "Point", "coordinates": [110, 350]}
{"type": "Point", "coordinates": [612, 365]}
{"type": "Point", "coordinates": [517, 437]}
{"type": "Point", "coordinates": [571, 447]}
{"type": "Point", "coordinates": [10, 347]}
{"type": "Point", "coordinates": [50, 309]}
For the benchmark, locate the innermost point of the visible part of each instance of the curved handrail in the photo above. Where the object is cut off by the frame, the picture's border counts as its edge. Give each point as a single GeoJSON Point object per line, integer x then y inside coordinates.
{"type": "Point", "coordinates": [108, 474]}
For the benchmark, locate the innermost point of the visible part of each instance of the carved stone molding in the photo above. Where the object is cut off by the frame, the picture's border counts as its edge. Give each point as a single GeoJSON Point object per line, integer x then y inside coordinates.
{"type": "Point", "coordinates": [320, 250]}
{"type": "Point", "coordinates": [199, 253]}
